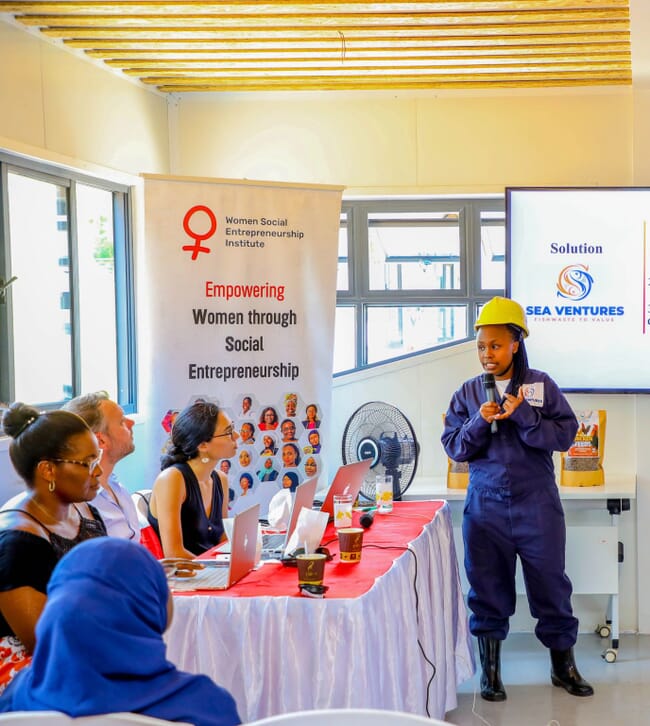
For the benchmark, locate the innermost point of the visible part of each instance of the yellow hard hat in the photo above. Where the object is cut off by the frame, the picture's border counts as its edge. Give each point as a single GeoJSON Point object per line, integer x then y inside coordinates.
{"type": "Point", "coordinates": [502, 311]}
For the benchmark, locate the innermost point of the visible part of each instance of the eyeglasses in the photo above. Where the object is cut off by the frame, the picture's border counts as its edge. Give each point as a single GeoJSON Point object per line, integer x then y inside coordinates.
{"type": "Point", "coordinates": [90, 465]}
{"type": "Point", "coordinates": [228, 432]}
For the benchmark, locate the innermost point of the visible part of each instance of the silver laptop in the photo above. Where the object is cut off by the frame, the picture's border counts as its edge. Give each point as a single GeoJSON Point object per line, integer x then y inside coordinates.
{"type": "Point", "coordinates": [220, 575]}
{"type": "Point", "coordinates": [348, 480]}
{"type": "Point", "coordinates": [273, 545]}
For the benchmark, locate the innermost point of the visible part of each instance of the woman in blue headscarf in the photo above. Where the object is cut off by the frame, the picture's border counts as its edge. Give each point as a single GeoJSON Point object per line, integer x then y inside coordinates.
{"type": "Point", "coordinates": [99, 644]}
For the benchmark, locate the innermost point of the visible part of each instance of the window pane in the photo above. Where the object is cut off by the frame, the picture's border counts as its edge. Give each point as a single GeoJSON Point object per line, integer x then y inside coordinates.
{"type": "Point", "coordinates": [38, 233]}
{"type": "Point", "coordinates": [96, 290]}
{"type": "Point", "coordinates": [408, 251]}
{"type": "Point", "coordinates": [399, 330]}
{"type": "Point", "coordinates": [342, 269]}
{"type": "Point", "coordinates": [493, 251]}
{"type": "Point", "coordinates": [344, 339]}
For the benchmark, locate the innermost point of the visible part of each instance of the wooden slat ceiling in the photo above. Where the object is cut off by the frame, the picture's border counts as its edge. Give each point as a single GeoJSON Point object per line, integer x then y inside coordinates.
{"type": "Point", "coordinates": [188, 45]}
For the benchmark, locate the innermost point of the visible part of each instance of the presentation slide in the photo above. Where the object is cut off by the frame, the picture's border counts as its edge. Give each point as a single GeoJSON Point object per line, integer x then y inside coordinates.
{"type": "Point", "coordinates": [578, 263]}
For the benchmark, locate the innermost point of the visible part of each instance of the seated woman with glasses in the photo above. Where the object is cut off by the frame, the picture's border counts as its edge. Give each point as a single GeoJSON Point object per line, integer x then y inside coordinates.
{"type": "Point", "coordinates": [56, 455]}
{"type": "Point", "coordinates": [189, 498]}
{"type": "Point", "coordinates": [100, 645]}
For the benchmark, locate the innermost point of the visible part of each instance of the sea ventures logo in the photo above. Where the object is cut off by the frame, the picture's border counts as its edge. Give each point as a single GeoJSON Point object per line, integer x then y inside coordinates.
{"type": "Point", "coordinates": [574, 282]}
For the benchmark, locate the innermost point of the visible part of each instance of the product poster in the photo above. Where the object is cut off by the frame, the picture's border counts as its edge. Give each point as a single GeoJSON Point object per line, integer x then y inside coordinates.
{"type": "Point", "coordinates": [242, 293]}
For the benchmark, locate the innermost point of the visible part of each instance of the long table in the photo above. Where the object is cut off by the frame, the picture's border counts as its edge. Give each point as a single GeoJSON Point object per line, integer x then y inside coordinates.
{"type": "Point", "coordinates": [391, 632]}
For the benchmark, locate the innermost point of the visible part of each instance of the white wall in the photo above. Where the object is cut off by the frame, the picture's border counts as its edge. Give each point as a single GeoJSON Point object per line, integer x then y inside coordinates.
{"type": "Point", "coordinates": [62, 108]}
{"type": "Point", "coordinates": [435, 142]}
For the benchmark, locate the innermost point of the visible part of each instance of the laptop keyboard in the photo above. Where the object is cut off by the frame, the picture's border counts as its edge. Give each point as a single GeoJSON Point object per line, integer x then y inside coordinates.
{"type": "Point", "coordinates": [211, 578]}
{"type": "Point", "coordinates": [272, 541]}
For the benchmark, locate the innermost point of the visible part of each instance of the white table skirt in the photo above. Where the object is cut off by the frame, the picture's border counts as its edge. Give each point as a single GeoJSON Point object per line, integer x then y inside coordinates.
{"type": "Point", "coordinates": [282, 654]}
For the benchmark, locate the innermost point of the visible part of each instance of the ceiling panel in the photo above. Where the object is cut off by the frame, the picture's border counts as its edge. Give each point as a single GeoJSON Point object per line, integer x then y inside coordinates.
{"type": "Point", "coordinates": [186, 46]}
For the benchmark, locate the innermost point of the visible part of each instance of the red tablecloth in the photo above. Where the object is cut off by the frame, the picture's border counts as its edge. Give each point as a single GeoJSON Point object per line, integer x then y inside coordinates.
{"type": "Point", "coordinates": [383, 542]}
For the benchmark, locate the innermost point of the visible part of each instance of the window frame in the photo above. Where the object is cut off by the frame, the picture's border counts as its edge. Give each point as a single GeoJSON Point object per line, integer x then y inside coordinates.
{"type": "Point", "coordinates": [124, 274]}
{"type": "Point", "coordinates": [469, 295]}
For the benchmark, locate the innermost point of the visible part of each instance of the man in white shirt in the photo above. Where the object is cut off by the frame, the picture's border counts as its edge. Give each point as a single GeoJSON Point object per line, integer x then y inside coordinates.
{"type": "Point", "coordinates": [114, 432]}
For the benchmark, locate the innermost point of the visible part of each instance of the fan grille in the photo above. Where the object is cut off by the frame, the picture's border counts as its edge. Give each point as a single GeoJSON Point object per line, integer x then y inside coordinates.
{"type": "Point", "coordinates": [380, 431]}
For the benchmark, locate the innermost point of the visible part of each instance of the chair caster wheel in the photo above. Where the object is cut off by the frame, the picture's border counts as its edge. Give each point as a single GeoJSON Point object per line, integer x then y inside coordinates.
{"type": "Point", "coordinates": [610, 655]}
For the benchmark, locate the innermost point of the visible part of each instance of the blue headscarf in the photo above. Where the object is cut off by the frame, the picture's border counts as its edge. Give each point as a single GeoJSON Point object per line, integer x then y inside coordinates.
{"type": "Point", "coordinates": [99, 645]}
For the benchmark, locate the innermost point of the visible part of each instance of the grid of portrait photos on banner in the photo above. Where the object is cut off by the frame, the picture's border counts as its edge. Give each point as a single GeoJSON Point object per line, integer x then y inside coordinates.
{"type": "Point", "coordinates": [279, 447]}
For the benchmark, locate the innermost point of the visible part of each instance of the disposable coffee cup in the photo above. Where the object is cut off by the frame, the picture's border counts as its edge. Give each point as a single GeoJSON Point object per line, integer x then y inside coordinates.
{"type": "Point", "coordinates": [350, 543]}
{"type": "Point", "coordinates": [311, 568]}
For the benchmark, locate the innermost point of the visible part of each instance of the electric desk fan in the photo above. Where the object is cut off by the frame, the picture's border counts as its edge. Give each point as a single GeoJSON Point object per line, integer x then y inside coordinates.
{"type": "Point", "coordinates": [381, 432]}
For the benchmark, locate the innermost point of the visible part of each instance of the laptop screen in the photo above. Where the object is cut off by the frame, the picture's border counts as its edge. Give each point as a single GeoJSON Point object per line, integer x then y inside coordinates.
{"type": "Point", "coordinates": [348, 480]}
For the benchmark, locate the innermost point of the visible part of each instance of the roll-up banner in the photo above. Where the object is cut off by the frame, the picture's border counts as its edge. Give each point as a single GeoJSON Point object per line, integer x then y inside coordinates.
{"type": "Point", "coordinates": [241, 290]}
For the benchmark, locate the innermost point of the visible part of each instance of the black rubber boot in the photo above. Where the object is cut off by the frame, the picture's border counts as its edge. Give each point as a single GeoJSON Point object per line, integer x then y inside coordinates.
{"type": "Point", "coordinates": [490, 653]}
{"type": "Point", "coordinates": [564, 673]}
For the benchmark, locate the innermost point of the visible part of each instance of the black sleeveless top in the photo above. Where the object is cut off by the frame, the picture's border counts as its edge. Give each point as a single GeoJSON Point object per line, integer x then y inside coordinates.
{"type": "Point", "coordinates": [200, 532]}
{"type": "Point", "coordinates": [27, 560]}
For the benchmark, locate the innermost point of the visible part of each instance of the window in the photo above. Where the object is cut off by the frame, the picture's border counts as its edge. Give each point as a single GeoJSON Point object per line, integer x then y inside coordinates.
{"type": "Point", "coordinates": [69, 311]}
{"type": "Point", "coordinates": [412, 275]}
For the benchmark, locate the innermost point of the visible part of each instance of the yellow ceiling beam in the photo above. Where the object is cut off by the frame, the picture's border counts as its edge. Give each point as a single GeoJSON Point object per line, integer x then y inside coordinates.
{"type": "Point", "coordinates": [342, 20]}
{"type": "Point", "coordinates": [194, 64]}
{"type": "Point", "coordinates": [566, 68]}
{"type": "Point", "coordinates": [335, 41]}
{"type": "Point", "coordinates": [389, 83]}
{"type": "Point", "coordinates": [229, 51]}
{"type": "Point", "coordinates": [306, 7]}
{"type": "Point", "coordinates": [352, 32]}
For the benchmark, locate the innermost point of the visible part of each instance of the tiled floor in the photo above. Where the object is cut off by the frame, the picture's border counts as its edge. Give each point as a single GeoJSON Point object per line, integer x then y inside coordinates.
{"type": "Point", "coordinates": [622, 689]}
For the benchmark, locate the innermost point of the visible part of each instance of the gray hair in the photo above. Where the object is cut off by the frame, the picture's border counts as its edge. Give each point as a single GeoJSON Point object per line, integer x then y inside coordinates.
{"type": "Point", "coordinates": [88, 407]}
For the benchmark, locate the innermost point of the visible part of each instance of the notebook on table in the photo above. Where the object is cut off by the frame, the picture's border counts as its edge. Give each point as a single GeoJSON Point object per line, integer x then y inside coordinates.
{"type": "Point", "coordinates": [273, 545]}
{"type": "Point", "coordinates": [220, 575]}
{"type": "Point", "coordinates": [347, 480]}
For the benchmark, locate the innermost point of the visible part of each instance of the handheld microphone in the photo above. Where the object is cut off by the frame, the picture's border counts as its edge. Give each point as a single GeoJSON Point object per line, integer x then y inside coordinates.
{"type": "Point", "coordinates": [366, 519]}
{"type": "Point", "coordinates": [491, 393]}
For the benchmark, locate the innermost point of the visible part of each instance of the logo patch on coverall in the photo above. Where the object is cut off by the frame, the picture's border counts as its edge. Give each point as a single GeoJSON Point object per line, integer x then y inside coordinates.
{"type": "Point", "coordinates": [534, 393]}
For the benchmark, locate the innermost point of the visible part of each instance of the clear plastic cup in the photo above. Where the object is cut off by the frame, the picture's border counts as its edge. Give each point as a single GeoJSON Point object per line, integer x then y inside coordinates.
{"type": "Point", "coordinates": [384, 493]}
{"type": "Point", "coordinates": [342, 510]}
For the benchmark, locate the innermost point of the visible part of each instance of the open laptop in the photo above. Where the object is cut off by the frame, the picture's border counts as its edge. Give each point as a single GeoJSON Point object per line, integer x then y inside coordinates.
{"type": "Point", "coordinates": [347, 480]}
{"type": "Point", "coordinates": [273, 545]}
{"type": "Point", "coordinates": [220, 575]}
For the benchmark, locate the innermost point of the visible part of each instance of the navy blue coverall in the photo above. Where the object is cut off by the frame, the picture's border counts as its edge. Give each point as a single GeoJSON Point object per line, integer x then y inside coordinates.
{"type": "Point", "coordinates": [513, 507]}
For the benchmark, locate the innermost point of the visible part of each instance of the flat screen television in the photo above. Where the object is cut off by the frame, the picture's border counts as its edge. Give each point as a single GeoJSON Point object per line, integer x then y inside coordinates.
{"type": "Point", "coordinates": [578, 264]}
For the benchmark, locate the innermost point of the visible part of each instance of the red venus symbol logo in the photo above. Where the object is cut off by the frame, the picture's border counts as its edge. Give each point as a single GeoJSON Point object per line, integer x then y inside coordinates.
{"type": "Point", "coordinates": [198, 237]}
